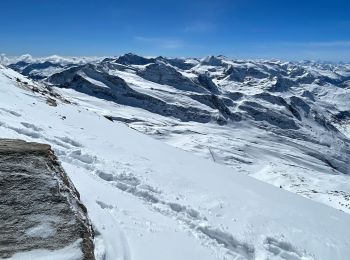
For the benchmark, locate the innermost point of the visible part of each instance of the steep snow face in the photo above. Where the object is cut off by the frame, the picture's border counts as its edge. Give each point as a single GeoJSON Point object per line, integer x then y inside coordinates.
{"type": "Point", "coordinates": [149, 200]}
{"type": "Point", "coordinates": [281, 122]}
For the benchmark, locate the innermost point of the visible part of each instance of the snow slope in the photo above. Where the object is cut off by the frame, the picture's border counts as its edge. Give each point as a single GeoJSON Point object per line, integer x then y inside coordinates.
{"type": "Point", "coordinates": [149, 200]}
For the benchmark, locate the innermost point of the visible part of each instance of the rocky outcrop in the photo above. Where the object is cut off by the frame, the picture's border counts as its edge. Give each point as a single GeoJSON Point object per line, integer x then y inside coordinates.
{"type": "Point", "coordinates": [182, 64]}
{"type": "Point", "coordinates": [39, 206]}
{"type": "Point", "coordinates": [211, 61]}
{"type": "Point", "coordinates": [261, 113]}
{"type": "Point", "coordinates": [37, 70]}
{"type": "Point", "coordinates": [115, 89]}
{"type": "Point", "coordinates": [164, 74]}
{"type": "Point", "coordinates": [240, 73]}
{"type": "Point", "coordinates": [133, 59]}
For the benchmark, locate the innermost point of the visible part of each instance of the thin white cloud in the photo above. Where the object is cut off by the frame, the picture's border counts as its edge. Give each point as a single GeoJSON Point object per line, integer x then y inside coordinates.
{"type": "Point", "coordinates": [164, 43]}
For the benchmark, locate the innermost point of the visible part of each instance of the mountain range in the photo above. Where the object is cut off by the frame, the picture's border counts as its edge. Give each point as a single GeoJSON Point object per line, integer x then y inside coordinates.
{"type": "Point", "coordinates": [119, 125]}
{"type": "Point", "coordinates": [286, 123]}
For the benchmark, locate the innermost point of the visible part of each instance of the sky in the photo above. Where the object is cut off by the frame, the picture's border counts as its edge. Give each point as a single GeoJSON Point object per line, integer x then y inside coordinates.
{"type": "Point", "coordinates": [258, 29]}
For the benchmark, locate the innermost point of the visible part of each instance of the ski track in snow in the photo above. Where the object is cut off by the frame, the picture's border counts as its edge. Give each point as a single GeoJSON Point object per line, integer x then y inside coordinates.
{"type": "Point", "coordinates": [132, 185]}
{"type": "Point", "coordinates": [70, 151]}
{"type": "Point", "coordinates": [282, 249]}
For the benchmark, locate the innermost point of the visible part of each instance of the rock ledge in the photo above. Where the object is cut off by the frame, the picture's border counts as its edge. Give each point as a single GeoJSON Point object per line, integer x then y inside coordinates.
{"type": "Point", "coordinates": [39, 206]}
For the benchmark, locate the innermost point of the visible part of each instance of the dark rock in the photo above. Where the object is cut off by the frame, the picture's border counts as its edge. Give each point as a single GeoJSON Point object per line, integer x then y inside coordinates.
{"type": "Point", "coordinates": [133, 59]}
{"type": "Point", "coordinates": [19, 65]}
{"type": "Point", "coordinates": [324, 122]}
{"type": "Point", "coordinates": [211, 61]}
{"type": "Point", "coordinates": [29, 69]}
{"type": "Point", "coordinates": [300, 104]}
{"type": "Point", "coordinates": [51, 102]}
{"type": "Point", "coordinates": [281, 84]}
{"type": "Point", "coordinates": [235, 95]}
{"type": "Point", "coordinates": [342, 116]}
{"type": "Point", "coordinates": [205, 81]}
{"type": "Point", "coordinates": [218, 103]}
{"type": "Point", "coordinates": [110, 118]}
{"type": "Point", "coordinates": [164, 74]}
{"type": "Point", "coordinates": [277, 100]}
{"type": "Point", "coordinates": [308, 95]}
{"type": "Point", "coordinates": [242, 72]}
{"type": "Point", "coordinates": [36, 194]}
{"type": "Point", "coordinates": [260, 113]}
{"type": "Point", "coordinates": [177, 62]}
{"type": "Point", "coordinates": [118, 91]}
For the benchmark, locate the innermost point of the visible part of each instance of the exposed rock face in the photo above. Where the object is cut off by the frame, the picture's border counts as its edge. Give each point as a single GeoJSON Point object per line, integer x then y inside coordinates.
{"type": "Point", "coordinates": [240, 73]}
{"type": "Point", "coordinates": [211, 61]}
{"type": "Point", "coordinates": [164, 74]}
{"type": "Point", "coordinates": [177, 62]}
{"type": "Point", "coordinates": [130, 58]}
{"type": "Point", "coordinates": [84, 78]}
{"type": "Point", "coordinates": [39, 206]}
{"type": "Point", "coordinates": [37, 71]}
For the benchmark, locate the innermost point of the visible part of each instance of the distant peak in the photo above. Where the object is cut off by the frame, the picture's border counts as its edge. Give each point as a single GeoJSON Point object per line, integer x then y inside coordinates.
{"type": "Point", "coordinates": [133, 59]}
{"type": "Point", "coordinates": [212, 61]}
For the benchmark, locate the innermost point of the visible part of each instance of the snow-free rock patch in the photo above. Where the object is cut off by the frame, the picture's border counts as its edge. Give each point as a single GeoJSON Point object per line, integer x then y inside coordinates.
{"type": "Point", "coordinates": [40, 210]}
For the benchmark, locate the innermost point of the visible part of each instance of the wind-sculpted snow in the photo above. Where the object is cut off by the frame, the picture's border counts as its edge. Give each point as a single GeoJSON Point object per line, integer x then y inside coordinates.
{"type": "Point", "coordinates": [285, 123]}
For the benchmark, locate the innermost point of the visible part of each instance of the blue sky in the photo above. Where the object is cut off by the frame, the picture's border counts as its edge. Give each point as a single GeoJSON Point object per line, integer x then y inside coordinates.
{"type": "Point", "coordinates": [284, 29]}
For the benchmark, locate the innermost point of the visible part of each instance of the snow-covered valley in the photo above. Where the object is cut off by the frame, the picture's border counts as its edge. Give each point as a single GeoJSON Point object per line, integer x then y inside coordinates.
{"type": "Point", "coordinates": [282, 123]}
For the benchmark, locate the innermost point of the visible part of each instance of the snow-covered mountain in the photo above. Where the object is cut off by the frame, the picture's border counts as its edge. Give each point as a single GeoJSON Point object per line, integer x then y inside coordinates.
{"type": "Point", "coordinates": [148, 200]}
{"type": "Point", "coordinates": [286, 123]}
